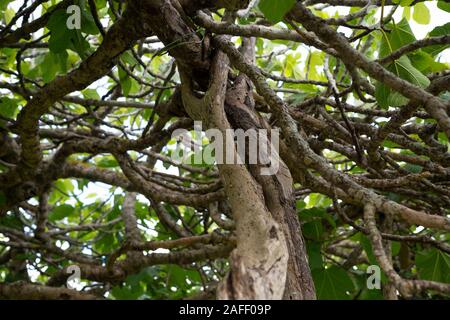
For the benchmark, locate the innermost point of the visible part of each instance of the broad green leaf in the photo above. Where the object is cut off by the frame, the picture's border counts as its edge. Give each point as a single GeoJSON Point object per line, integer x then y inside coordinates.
{"type": "Point", "coordinates": [367, 246]}
{"type": "Point", "coordinates": [406, 13]}
{"type": "Point", "coordinates": [395, 247]}
{"type": "Point", "coordinates": [307, 215]}
{"type": "Point", "coordinates": [178, 276]}
{"type": "Point", "coordinates": [291, 63]}
{"type": "Point", "coordinates": [332, 283]}
{"type": "Point", "coordinates": [4, 4]}
{"type": "Point", "coordinates": [441, 30]}
{"type": "Point", "coordinates": [8, 107]}
{"type": "Point", "coordinates": [275, 10]}
{"type": "Point", "coordinates": [314, 255]}
{"type": "Point", "coordinates": [61, 212]}
{"type": "Point", "coordinates": [62, 38]}
{"type": "Point", "coordinates": [100, 3]}
{"type": "Point", "coordinates": [48, 69]}
{"type": "Point", "coordinates": [405, 70]}
{"type": "Point", "coordinates": [421, 13]}
{"type": "Point", "coordinates": [395, 99]}
{"type": "Point", "coordinates": [313, 230]}
{"type": "Point", "coordinates": [60, 35]}
{"type": "Point", "coordinates": [90, 94]}
{"type": "Point", "coordinates": [7, 56]}
{"type": "Point", "coordinates": [79, 44]}
{"type": "Point", "coordinates": [87, 20]}
{"type": "Point", "coordinates": [61, 190]}
{"type": "Point", "coordinates": [9, 15]}
{"type": "Point", "coordinates": [315, 59]}
{"type": "Point", "coordinates": [443, 5]}
{"type": "Point", "coordinates": [399, 36]}
{"type": "Point", "coordinates": [425, 63]}
{"type": "Point", "coordinates": [316, 213]}
{"type": "Point", "coordinates": [128, 58]}
{"type": "Point", "coordinates": [53, 64]}
{"type": "Point", "coordinates": [434, 265]}
{"type": "Point", "coordinates": [436, 32]}
{"type": "Point", "coordinates": [107, 162]}
{"type": "Point", "coordinates": [382, 93]}
{"type": "Point", "coordinates": [106, 243]}
{"type": "Point", "coordinates": [125, 82]}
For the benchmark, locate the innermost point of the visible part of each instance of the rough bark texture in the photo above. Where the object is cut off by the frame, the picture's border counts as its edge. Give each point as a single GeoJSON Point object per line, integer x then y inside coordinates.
{"type": "Point", "coordinates": [373, 170]}
{"type": "Point", "coordinates": [277, 189]}
{"type": "Point", "coordinates": [258, 264]}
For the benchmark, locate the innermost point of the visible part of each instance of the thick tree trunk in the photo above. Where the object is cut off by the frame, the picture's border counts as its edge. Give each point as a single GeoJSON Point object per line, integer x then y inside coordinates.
{"type": "Point", "coordinates": [270, 260]}
{"type": "Point", "coordinates": [259, 262]}
{"type": "Point", "coordinates": [277, 188]}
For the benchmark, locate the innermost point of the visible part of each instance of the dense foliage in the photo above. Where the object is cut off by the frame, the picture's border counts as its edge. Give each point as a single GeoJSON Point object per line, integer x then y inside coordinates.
{"type": "Point", "coordinates": [86, 117]}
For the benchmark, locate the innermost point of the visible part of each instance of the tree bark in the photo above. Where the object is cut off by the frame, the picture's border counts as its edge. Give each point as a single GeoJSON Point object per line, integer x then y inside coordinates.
{"type": "Point", "coordinates": [277, 188]}
{"type": "Point", "coordinates": [251, 196]}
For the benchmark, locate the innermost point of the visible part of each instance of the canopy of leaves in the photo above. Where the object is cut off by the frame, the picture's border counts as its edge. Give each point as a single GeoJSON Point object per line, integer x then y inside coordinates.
{"type": "Point", "coordinates": [86, 146]}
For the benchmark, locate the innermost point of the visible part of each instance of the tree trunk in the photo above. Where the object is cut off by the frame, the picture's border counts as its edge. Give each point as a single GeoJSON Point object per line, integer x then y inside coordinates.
{"type": "Point", "coordinates": [277, 188]}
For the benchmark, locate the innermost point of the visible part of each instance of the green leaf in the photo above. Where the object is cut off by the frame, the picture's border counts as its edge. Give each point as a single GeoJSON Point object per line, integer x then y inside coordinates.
{"type": "Point", "coordinates": [125, 82]}
{"type": "Point", "coordinates": [403, 68]}
{"type": "Point", "coordinates": [8, 107]}
{"type": "Point", "coordinates": [441, 30]}
{"type": "Point", "coordinates": [275, 10]}
{"type": "Point", "coordinates": [313, 230]}
{"type": "Point", "coordinates": [177, 276]}
{"type": "Point", "coordinates": [53, 64]}
{"type": "Point", "coordinates": [399, 36]}
{"type": "Point", "coordinates": [421, 13]}
{"type": "Point", "coordinates": [79, 44]}
{"type": "Point", "coordinates": [61, 191]}
{"type": "Point", "coordinates": [105, 243]}
{"type": "Point", "coordinates": [315, 59]}
{"type": "Point", "coordinates": [434, 265]}
{"type": "Point", "coordinates": [61, 212]}
{"type": "Point", "coordinates": [367, 246]}
{"type": "Point", "coordinates": [11, 221]}
{"type": "Point", "coordinates": [406, 71]}
{"type": "Point", "coordinates": [62, 38]}
{"type": "Point", "coordinates": [444, 5]}
{"type": "Point", "coordinates": [436, 32]}
{"type": "Point", "coordinates": [4, 4]}
{"type": "Point", "coordinates": [332, 283]}
{"type": "Point", "coordinates": [87, 20]}
{"type": "Point", "coordinates": [291, 63]}
{"type": "Point", "coordinates": [107, 162]}
{"type": "Point", "coordinates": [314, 255]}
{"type": "Point", "coordinates": [128, 58]}
{"type": "Point", "coordinates": [60, 35]}
{"type": "Point", "coordinates": [425, 63]}
{"type": "Point", "coordinates": [382, 93]}
{"type": "Point", "coordinates": [90, 94]}
{"type": "Point", "coordinates": [406, 13]}
{"type": "Point", "coordinates": [9, 15]}
{"type": "Point", "coordinates": [312, 213]}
